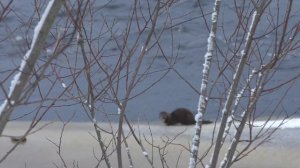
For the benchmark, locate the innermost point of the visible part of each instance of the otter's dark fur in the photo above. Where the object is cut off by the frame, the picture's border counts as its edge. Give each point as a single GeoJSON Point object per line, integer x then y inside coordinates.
{"type": "Point", "coordinates": [180, 115]}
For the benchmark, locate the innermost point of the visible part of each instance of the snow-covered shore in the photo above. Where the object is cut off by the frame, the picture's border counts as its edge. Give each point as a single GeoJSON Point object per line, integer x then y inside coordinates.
{"type": "Point", "coordinates": [289, 123]}
{"type": "Point", "coordinates": [79, 147]}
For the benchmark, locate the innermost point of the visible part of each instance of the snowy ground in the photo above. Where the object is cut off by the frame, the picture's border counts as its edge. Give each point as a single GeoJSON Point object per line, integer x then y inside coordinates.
{"type": "Point", "coordinates": [78, 146]}
{"type": "Point", "coordinates": [291, 123]}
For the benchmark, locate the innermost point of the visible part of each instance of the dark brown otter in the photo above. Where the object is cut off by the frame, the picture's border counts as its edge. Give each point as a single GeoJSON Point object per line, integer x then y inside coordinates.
{"type": "Point", "coordinates": [180, 115]}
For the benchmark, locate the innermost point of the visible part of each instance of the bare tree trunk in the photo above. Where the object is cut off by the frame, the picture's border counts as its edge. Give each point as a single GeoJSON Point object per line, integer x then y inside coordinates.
{"type": "Point", "coordinates": [203, 100]}
{"type": "Point", "coordinates": [27, 65]}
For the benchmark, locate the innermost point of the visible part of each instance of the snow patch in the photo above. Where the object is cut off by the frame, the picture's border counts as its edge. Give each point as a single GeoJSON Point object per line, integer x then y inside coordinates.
{"type": "Point", "coordinates": [192, 162]}
{"type": "Point", "coordinates": [289, 123]}
{"type": "Point", "coordinates": [214, 17]}
{"type": "Point", "coordinates": [63, 85]}
{"type": "Point", "coordinates": [78, 37]}
{"type": "Point", "coordinates": [49, 51]}
{"type": "Point", "coordinates": [15, 81]}
{"type": "Point", "coordinates": [18, 38]}
{"type": "Point", "coordinates": [198, 116]}
{"type": "Point", "coordinates": [194, 148]}
{"type": "Point", "coordinates": [196, 137]}
{"type": "Point", "coordinates": [119, 110]}
{"type": "Point", "coordinates": [145, 153]}
{"type": "Point", "coordinates": [197, 127]}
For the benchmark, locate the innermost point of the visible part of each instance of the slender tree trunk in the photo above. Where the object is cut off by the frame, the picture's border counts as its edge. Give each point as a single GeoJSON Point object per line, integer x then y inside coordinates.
{"type": "Point", "coordinates": [27, 65]}
{"type": "Point", "coordinates": [227, 161]}
{"type": "Point", "coordinates": [203, 100]}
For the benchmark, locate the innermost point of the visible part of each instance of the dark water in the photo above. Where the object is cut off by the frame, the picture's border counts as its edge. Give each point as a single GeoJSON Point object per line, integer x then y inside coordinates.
{"type": "Point", "coordinates": [184, 42]}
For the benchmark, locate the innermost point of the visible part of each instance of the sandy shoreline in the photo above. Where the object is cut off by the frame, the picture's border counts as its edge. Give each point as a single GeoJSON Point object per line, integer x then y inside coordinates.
{"type": "Point", "coordinates": [79, 147]}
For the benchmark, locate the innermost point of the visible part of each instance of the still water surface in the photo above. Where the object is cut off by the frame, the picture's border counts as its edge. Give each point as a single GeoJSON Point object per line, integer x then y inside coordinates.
{"type": "Point", "coordinates": [185, 39]}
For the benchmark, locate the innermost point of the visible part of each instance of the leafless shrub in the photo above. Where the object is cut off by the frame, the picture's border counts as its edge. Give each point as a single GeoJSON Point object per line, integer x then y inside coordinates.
{"type": "Point", "coordinates": [92, 62]}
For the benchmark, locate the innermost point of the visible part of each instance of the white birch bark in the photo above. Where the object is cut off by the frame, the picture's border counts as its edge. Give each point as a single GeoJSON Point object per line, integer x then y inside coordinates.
{"type": "Point", "coordinates": [227, 161]}
{"type": "Point", "coordinates": [236, 79]}
{"type": "Point", "coordinates": [203, 100]}
{"type": "Point", "coordinates": [236, 102]}
{"type": "Point", "coordinates": [27, 65]}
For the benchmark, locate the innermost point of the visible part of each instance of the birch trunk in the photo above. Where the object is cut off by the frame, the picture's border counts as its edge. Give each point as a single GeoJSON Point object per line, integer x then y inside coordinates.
{"type": "Point", "coordinates": [27, 65]}
{"type": "Point", "coordinates": [203, 100]}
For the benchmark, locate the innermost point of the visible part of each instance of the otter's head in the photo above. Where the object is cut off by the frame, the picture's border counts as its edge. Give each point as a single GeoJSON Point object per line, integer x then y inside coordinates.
{"type": "Point", "coordinates": [163, 116]}
{"type": "Point", "coordinates": [167, 118]}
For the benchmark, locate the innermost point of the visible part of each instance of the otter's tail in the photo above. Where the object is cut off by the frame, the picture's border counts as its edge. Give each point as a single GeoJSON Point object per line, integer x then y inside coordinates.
{"type": "Point", "coordinates": [206, 122]}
